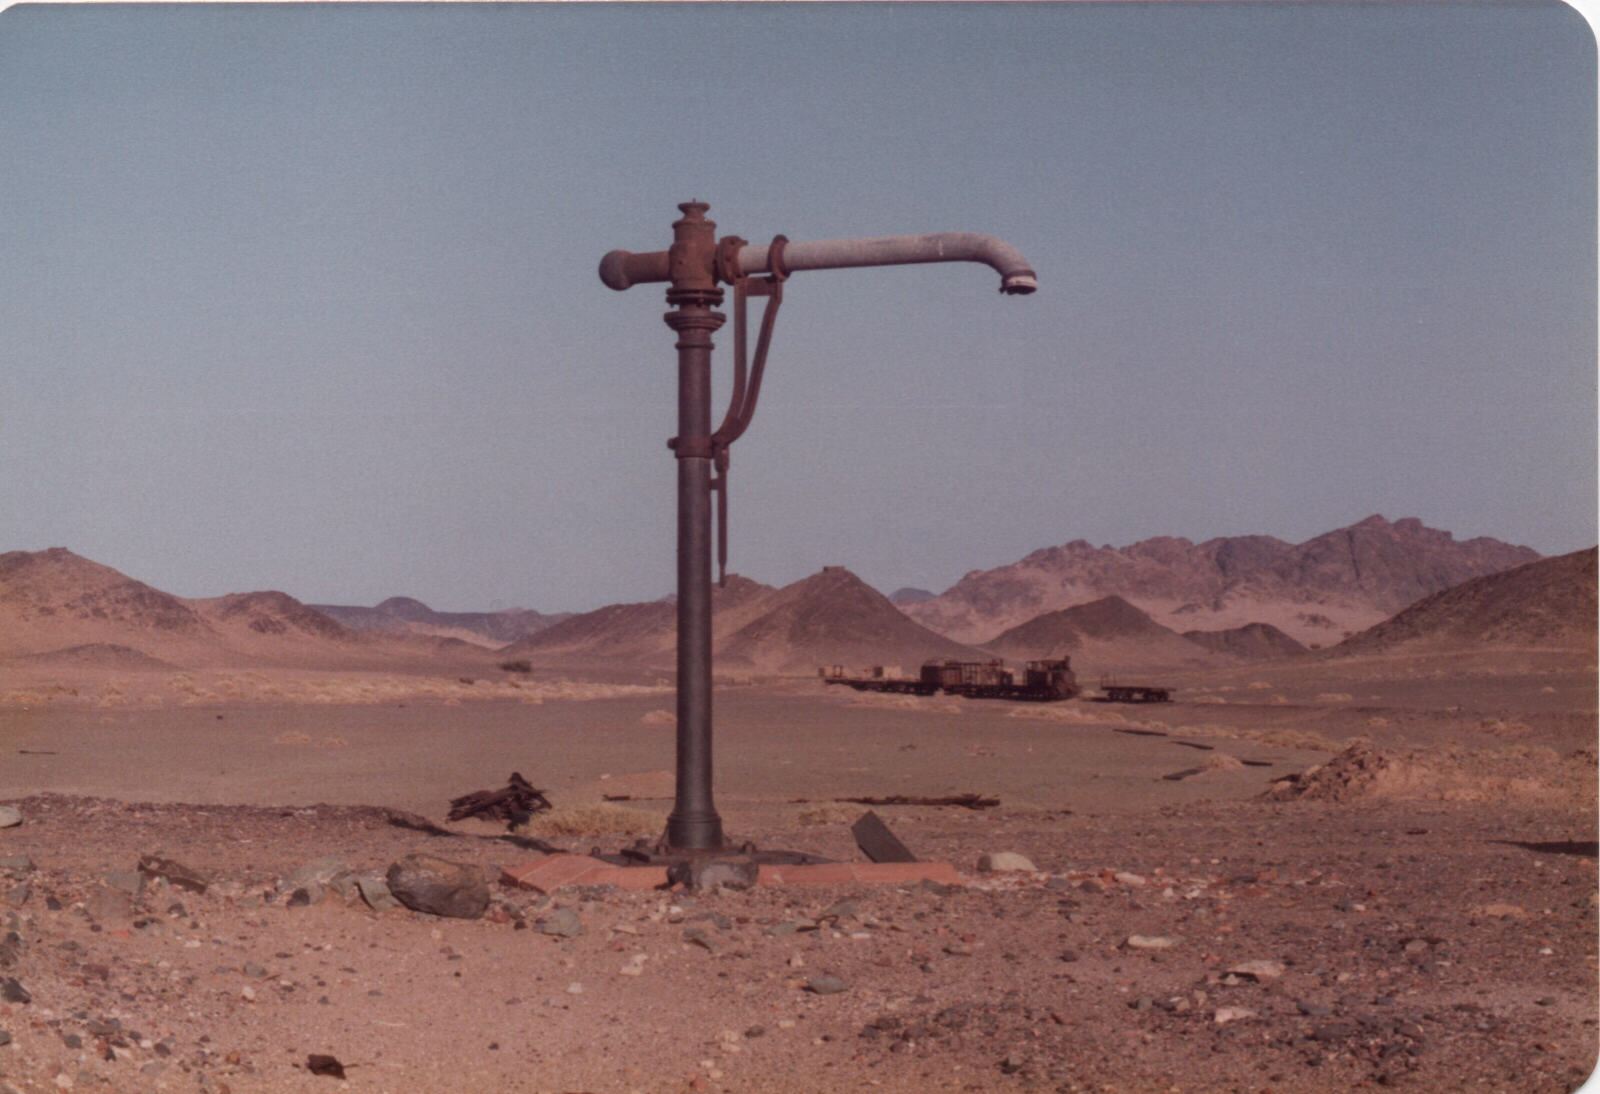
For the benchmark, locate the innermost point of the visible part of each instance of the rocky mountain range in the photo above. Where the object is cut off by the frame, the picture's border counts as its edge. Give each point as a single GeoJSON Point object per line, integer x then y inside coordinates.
{"type": "Point", "coordinates": [832, 617]}
{"type": "Point", "coordinates": [1550, 603]}
{"type": "Point", "coordinates": [1317, 592]}
{"type": "Point", "coordinates": [59, 608]}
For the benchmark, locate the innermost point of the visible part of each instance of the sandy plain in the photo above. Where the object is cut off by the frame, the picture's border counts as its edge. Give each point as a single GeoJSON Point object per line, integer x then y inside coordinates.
{"type": "Point", "coordinates": [1421, 916]}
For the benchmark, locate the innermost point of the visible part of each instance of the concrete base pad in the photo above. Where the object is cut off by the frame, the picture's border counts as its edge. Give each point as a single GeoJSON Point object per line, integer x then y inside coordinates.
{"type": "Point", "coordinates": [555, 871]}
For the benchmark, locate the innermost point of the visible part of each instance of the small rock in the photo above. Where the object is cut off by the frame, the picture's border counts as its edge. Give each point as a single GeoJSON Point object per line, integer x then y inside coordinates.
{"type": "Point", "coordinates": [1260, 969]}
{"type": "Point", "coordinates": [5, 1037]}
{"type": "Point", "coordinates": [1133, 881]}
{"type": "Point", "coordinates": [330, 1066]}
{"type": "Point", "coordinates": [13, 992]}
{"type": "Point", "coordinates": [321, 872]}
{"type": "Point", "coordinates": [106, 903]}
{"type": "Point", "coordinates": [825, 985]}
{"type": "Point", "coordinates": [175, 873]}
{"type": "Point", "coordinates": [1001, 862]}
{"type": "Point", "coordinates": [436, 886]}
{"type": "Point", "coordinates": [1505, 911]}
{"type": "Point", "coordinates": [374, 889]}
{"type": "Point", "coordinates": [127, 881]}
{"type": "Point", "coordinates": [701, 875]}
{"type": "Point", "coordinates": [10, 816]}
{"type": "Point", "coordinates": [562, 922]}
{"type": "Point", "coordinates": [1223, 1015]}
{"type": "Point", "coordinates": [1151, 942]}
{"type": "Point", "coordinates": [17, 864]}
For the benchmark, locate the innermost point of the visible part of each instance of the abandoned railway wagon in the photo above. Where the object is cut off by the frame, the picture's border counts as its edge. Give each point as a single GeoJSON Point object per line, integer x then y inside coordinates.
{"type": "Point", "coordinates": [1042, 681]}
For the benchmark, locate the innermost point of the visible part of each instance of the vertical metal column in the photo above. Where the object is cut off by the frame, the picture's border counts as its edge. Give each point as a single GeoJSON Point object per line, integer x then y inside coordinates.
{"type": "Point", "coordinates": [694, 824]}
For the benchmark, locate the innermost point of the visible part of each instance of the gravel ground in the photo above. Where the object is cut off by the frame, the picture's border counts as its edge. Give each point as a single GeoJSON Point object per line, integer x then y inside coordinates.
{"type": "Point", "coordinates": [1295, 945]}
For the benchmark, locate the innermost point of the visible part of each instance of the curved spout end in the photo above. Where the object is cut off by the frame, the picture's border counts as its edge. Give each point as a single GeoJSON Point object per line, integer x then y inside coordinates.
{"type": "Point", "coordinates": [1019, 283]}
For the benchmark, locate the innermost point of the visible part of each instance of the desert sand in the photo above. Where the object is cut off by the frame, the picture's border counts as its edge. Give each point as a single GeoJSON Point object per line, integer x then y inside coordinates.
{"type": "Point", "coordinates": [1417, 911]}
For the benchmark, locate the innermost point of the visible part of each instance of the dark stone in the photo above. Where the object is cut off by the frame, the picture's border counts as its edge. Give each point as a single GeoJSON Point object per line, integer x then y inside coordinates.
{"type": "Point", "coordinates": [426, 883]}
{"type": "Point", "coordinates": [330, 1066]}
{"type": "Point", "coordinates": [13, 992]}
{"type": "Point", "coordinates": [1335, 1031]}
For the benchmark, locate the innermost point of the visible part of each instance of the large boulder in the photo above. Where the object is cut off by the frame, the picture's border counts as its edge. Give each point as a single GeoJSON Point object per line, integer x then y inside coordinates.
{"type": "Point", "coordinates": [426, 883]}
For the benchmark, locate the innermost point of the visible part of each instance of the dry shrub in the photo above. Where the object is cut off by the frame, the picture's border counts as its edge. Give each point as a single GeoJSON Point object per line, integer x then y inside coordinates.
{"type": "Point", "coordinates": [905, 702]}
{"type": "Point", "coordinates": [831, 813]}
{"type": "Point", "coordinates": [594, 820]}
{"type": "Point", "coordinates": [1227, 732]}
{"type": "Point", "coordinates": [659, 718]}
{"type": "Point", "coordinates": [1304, 739]}
{"type": "Point", "coordinates": [1500, 727]}
{"type": "Point", "coordinates": [1072, 713]}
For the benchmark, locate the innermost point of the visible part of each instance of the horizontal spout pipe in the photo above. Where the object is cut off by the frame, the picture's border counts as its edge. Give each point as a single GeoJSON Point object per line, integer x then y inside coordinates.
{"type": "Point", "coordinates": [1016, 276]}
{"type": "Point", "coordinates": [622, 269]}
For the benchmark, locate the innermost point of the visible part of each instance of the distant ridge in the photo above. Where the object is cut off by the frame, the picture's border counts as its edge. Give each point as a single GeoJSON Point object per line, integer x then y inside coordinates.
{"type": "Point", "coordinates": [643, 633]}
{"type": "Point", "coordinates": [1102, 635]}
{"type": "Point", "coordinates": [1317, 591]}
{"type": "Point", "coordinates": [833, 617]}
{"type": "Point", "coordinates": [1253, 641]}
{"type": "Point", "coordinates": [404, 615]}
{"type": "Point", "coordinates": [1549, 603]}
{"type": "Point", "coordinates": [59, 609]}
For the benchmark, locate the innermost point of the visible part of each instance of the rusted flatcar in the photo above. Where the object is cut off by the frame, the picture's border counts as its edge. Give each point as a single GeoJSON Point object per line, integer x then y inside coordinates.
{"type": "Point", "coordinates": [1042, 681]}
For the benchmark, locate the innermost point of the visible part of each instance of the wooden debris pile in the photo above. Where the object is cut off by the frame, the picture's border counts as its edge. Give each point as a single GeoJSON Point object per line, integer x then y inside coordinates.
{"type": "Point", "coordinates": [514, 804]}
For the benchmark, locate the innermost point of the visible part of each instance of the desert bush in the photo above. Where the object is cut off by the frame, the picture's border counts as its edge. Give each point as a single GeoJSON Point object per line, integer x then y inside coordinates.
{"type": "Point", "coordinates": [593, 820]}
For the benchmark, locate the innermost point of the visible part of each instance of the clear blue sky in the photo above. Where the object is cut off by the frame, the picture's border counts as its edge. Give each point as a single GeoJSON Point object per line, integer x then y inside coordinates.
{"type": "Point", "coordinates": [304, 297]}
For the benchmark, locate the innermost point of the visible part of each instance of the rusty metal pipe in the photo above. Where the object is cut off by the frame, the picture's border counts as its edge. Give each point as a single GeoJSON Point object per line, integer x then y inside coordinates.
{"type": "Point", "coordinates": [1016, 276]}
{"type": "Point", "coordinates": [622, 269]}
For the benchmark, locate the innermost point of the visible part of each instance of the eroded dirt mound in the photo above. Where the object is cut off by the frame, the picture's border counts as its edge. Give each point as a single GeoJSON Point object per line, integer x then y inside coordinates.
{"type": "Point", "coordinates": [1350, 774]}
{"type": "Point", "coordinates": [1491, 776]}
